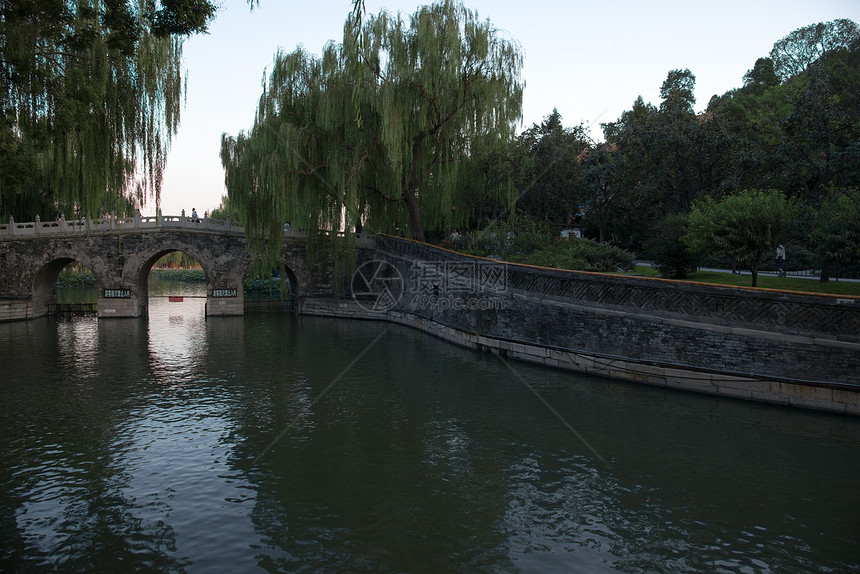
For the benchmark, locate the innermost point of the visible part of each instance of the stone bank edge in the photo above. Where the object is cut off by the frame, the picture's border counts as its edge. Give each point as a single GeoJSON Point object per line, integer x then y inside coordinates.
{"type": "Point", "coordinates": [839, 395]}
{"type": "Point", "coordinates": [803, 395]}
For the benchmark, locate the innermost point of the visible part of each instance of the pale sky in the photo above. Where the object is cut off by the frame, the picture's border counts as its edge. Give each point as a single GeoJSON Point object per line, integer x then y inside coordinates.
{"type": "Point", "coordinates": [590, 59]}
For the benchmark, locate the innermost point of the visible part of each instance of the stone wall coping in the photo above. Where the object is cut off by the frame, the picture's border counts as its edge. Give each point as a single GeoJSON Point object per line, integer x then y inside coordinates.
{"type": "Point", "coordinates": [835, 317]}
{"type": "Point", "coordinates": [614, 278]}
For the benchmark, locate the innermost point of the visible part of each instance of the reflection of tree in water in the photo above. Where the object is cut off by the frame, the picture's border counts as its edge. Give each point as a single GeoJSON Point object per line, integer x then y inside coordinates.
{"type": "Point", "coordinates": [422, 456]}
{"type": "Point", "coordinates": [425, 456]}
{"type": "Point", "coordinates": [351, 483]}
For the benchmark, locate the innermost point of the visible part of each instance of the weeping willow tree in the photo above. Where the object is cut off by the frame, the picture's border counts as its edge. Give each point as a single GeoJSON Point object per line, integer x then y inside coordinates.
{"type": "Point", "coordinates": [371, 134]}
{"type": "Point", "coordinates": [90, 95]}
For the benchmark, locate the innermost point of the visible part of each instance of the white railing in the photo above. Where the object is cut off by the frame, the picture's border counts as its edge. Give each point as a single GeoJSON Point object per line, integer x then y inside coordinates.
{"type": "Point", "coordinates": [136, 224]}
{"type": "Point", "coordinates": [113, 224]}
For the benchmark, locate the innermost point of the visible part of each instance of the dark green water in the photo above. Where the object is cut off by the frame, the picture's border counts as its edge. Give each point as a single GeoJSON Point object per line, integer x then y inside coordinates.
{"type": "Point", "coordinates": [279, 443]}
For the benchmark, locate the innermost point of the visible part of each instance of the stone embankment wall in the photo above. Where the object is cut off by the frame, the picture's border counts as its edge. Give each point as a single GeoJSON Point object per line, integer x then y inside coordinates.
{"type": "Point", "coordinates": [785, 348]}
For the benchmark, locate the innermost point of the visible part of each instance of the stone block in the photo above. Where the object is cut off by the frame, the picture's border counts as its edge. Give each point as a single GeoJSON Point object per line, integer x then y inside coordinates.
{"type": "Point", "coordinates": [846, 396]}
{"type": "Point", "coordinates": [770, 397]}
{"type": "Point", "coordinates": [852, 409]}
{"type": "Point", "coordinates": [806, 392]}
{"type": "Point", "coordinates": [735, 392]}
{"type": "Point", "coordinates": [817, 404]}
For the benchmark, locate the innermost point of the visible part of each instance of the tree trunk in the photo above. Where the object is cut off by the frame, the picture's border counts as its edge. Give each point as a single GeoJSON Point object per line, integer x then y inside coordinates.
{"type": "Point", "coordinates": [414, 215]}
{"type": "Point", "coordinates": [754, 273]}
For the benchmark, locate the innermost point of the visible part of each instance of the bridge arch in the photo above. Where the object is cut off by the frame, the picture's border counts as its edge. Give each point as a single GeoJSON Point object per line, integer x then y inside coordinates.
{"type": "Point", "coordinates": [218, 260]}
{"type": "Point", "coordinates": [41, 278]}
{"type": "Point", "coordinates": [293, 270]}
{"type": "Point", "coordinates": [142, 273]}
{"type": "Point", "coordinates": [295, 265]}
{"type": "Point", "coordinates": [121, 251]}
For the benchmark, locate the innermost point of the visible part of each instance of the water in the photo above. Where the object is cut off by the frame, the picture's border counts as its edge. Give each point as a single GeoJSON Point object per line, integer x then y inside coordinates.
{"type": "Point", "coordinates": [282, 443]}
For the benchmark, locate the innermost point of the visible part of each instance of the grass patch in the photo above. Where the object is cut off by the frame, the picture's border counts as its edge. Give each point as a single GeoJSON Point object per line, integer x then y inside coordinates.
{"type": "Point", "coordinates": [780, 283]}
{"type": "Point", "coordinates": [850, 288]}
{"type": "Point", "coordinates": [644, 271]}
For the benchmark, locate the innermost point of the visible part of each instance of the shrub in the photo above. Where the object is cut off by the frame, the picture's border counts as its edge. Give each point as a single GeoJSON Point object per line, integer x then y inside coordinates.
{"type": "Point", "coordinates": [77, 277]}
{"type": "Point", "coordinates": [517, 235]}
{"type": "Point", "coordinates": [266, 286]}
{"type": "Point", "coordinates": [578, 255]}
{"type": "Point", "coordinates": [671, 256]}
{"type": "Point", "coordinates": [190, 274]}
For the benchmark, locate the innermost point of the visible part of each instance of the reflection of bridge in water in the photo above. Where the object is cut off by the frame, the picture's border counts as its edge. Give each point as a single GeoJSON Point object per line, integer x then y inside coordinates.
{"type": "Point", "coordinates": [120, 251]}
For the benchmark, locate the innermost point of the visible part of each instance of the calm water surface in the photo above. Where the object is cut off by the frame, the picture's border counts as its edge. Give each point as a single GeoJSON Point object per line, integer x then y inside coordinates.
{"type": "Point", "coordinates": [280, 443]}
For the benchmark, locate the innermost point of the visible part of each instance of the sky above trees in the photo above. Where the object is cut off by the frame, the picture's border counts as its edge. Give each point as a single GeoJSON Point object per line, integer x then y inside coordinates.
{"type": "Point", "coordinates": [590, 60]}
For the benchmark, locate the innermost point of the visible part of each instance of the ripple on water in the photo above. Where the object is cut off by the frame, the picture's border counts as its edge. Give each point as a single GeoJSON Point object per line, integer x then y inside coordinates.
{"type": "Point", "coordinates": [420, 457]}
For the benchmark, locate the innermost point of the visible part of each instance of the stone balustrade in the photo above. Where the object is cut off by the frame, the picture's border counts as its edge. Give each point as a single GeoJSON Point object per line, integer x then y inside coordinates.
{"type": "Point", "coordinates": [114, 224]}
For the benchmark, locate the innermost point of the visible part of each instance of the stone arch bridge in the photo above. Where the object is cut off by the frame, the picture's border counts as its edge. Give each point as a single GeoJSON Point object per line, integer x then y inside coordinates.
{"type": "Point", "coordinates": [121, 251]}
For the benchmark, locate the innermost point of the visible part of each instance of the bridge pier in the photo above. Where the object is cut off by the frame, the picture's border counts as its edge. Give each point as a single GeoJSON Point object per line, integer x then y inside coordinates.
{"type": "Point", "coordinates": [16, 309]}
{"type": "Point", "coordinates": [225, 302]}
{"type": "Point", "coordinates": [121, 252]}
{"type": "Point", "coordinates": [119, 307]}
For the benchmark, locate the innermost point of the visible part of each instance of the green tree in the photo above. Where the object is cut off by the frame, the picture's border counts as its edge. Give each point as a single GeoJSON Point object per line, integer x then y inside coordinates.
{"type": "Point", "coordinates": [795, 52]}
{"type": "Point", "coordinates": [602, 185]}
{"type": "Point", "coordinates": [835, 229]}
{"type": "Point", "coordinates": [823, 130]}
{"type": "Point", "coordinates": [753, 118]}
{"type": "Point", "coordinates": [490, 181]}
{"type": "Point", "coordinates": [549, 191]}
{"type": "Point", "coordinates": [681, 150]}
{"type": "Point", "coordinates": [800, 136]}
{"type": "Point", "coordinates": [90, 95]}
{"type": "Point", "coordinates": [762, 76]}
{"type": "Point", "coordinates": [637, 140]}
{"type": "Point", "coordinates": [665, 158]}
{"type": "Point", "coordinates": [671, 255]}
{"type": "Point", "coordinates": [431, 88]}
{"type": "Point", "coordinates": [224, 210]}
{"type": "Point", "coordinates": [746, 226]}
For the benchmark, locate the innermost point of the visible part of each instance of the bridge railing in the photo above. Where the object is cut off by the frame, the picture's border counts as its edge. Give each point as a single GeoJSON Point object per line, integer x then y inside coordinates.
{"type": "Point", "coordinates": [112, 223]}
{"type": "Point", "coordinates": [144, 224]}
{"type": "Point", "coordinates": [141, 223]}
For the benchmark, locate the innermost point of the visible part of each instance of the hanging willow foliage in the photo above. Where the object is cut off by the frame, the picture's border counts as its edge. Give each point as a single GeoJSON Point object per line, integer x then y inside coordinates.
{"type": "Point", "coordinates": [430, 89]}
{"type": "Point", "coordinates": [91, 94]}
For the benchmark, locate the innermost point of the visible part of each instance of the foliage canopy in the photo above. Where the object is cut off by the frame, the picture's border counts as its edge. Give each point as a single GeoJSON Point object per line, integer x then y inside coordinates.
{"type": "Point", "coordinates": [794, 53]}
{"type": "Point", "coordinates": [745, 226]}
{"type": "Point", "coordinates": [835, 227]}
{"type": "Point", "coordinates": [90, 96]}
{"type": "Point", "coordinates": [432, 88]}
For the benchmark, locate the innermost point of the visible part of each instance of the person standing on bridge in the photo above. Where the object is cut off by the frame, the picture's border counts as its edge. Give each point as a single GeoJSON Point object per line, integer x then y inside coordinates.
{"type": "Point", "coordinates": [194, 216]}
